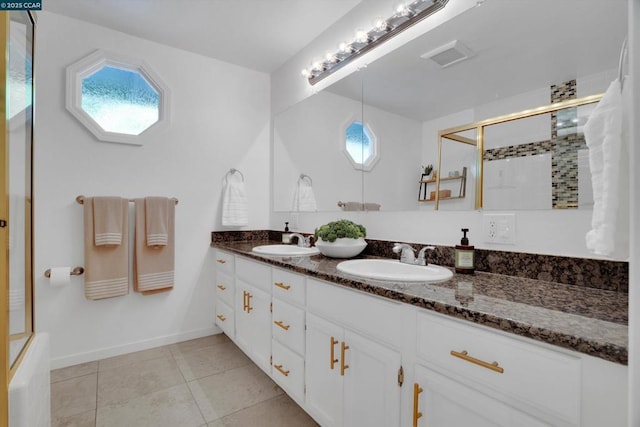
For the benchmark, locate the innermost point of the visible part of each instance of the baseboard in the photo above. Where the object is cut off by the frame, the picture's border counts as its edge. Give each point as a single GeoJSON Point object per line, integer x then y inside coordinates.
{"type": "Point", "coordinates": [90, 356]}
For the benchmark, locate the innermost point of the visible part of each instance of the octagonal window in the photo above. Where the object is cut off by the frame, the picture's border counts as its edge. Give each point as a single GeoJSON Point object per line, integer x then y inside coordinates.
{"type": "Point", "coordinates": [117, 99]}
{"type": "Point", "coordinates": [360, 145]}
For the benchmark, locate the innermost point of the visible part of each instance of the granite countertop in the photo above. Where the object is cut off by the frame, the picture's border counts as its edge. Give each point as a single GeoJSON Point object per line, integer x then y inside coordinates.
{"type": "Point", "coordinates": [587, 320]}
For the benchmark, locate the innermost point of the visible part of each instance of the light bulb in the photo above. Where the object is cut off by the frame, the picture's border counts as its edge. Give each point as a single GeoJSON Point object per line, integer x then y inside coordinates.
{"type": "Point", "coordinates": [316, 65]}
{"type": "Point", "coordinates": [401, 9]}
{"type": "Point", "coordinates": [305, 73]}
{"type": "Point", "coordinates": [380, 24]}
{"type": "Point", "coordinates": [330, 57]}
{"type": "Point", "coordinates": [361, 36]}
{"type": "Point", "coordinates": [344, 47]}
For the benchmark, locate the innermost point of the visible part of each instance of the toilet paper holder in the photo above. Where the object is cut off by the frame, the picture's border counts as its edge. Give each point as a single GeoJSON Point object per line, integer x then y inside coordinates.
{"type": "Point", "coordinates": [75, 272]}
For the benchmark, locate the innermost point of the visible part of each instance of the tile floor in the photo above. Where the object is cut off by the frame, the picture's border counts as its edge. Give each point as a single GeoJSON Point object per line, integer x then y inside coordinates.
{"type": "Point", "coordinates": [207, 382]}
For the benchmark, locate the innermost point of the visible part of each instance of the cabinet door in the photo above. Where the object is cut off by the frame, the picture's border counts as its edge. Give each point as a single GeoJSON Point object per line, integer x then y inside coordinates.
{"type": "Point", "coordinates": [371, 389]}
{"type": "Point", "coordinates": [443, 402]}
{"type": "Point", "coordinates": [253, 323]}
{"type": "Point", "coordinates": [322, 371]}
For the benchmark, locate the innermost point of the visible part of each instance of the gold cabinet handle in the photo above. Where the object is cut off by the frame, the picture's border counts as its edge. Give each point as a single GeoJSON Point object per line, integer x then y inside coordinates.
{"type": "Point", "coordinates": [282, 371]}
{"type": "Point", "coordinates": [244, 300]}
{"type": "Point", "coordinates": [222, 287]}
{"type": "Point", "coordinates": [343, 366]}
{"type": "Point", "coordinates": [221, 261]}
{"type": "Point", "coordinates": [464, 355]}
{"type": "Point", "coordinates": [282, 285]}
{"type": "Point", "coordinates": [282, 325]}
{"type": "Point", "coordinates": [416, 401]}
{"type": "Point", "coordinates": [249, 308]}
{"type": "Point", "coordinates": [221, 317]}
{"type": "Point", "coordinates": [333, 355]}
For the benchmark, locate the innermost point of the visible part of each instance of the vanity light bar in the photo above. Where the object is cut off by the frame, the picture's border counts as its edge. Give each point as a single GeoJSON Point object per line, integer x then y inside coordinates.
{"type": "Point", "coordinates": [404, 16]}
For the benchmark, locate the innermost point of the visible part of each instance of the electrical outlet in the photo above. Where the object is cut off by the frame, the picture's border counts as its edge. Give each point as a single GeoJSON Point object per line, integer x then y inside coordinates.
{"type": "Point", "coordinates": [499, 228]}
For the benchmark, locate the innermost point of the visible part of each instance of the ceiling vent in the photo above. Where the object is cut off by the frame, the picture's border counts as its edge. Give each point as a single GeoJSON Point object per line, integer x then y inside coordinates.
{"type": "Point", "coordinates": [449, 54]}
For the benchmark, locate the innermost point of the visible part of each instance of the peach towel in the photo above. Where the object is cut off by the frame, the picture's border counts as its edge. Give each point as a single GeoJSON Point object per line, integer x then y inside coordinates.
{"type": "Point", "coordinates": [153, 265]}
{"type": "Point", "coordinates": [157, 220]}
{"type": "Point", "coordinates": [107, 220]}
{"type": "Point", "coordinates": [106, 266]}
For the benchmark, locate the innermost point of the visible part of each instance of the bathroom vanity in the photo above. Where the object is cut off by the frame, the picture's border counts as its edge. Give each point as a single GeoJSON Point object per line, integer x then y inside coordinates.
{"type": "Point", "coordinates": [481, 350]}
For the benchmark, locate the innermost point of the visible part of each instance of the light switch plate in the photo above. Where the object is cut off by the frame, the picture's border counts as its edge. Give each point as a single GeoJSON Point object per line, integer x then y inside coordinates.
{"type": "Point", "coordinates": [499, 228]}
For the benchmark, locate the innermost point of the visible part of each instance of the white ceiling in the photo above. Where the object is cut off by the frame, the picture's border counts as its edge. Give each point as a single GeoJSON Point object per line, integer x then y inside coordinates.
{"type": "Point", "coordinates": [520, 45]}
{"type": "Point", "coordinates": [257, 34]}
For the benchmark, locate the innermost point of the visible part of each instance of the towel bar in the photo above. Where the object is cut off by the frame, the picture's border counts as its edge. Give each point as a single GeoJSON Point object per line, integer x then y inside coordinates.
{"type": "Point", "coordinates": [80, 199]}
{"type": "Point", "coordinates": [75, 272]}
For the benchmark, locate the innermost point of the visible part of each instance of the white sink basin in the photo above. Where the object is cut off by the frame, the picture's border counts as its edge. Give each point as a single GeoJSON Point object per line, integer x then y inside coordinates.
{"type": "Point", "coordinates": [393, 270]}
{"type": "Point", "coordinates": [285, 250]}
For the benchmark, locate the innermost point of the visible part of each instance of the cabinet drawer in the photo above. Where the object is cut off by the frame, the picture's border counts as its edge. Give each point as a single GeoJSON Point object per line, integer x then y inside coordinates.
{"type": "Point", "coordinates": [224, 288]}
{"type": "Point", "coordinates": [373, 316]}
{"type": "Point", "coordinates": [537, 377]}
{"type": "Point", "coordinates": [224, 261]}
{"type": "Point", "coordinates": [288, 370]}
{"type": "Point", "coordinates": [288, 325]}
{"type": "Point", "coordinates": [224, 318]}
{"type": "Point", "coordinates": [288, 286]}
{"type": "Point", "coordinates": [254, 273]}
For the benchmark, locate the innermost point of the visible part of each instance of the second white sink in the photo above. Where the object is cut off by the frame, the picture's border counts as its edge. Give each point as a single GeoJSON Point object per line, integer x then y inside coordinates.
{"type": "Point", "coordinates": [393, 270]}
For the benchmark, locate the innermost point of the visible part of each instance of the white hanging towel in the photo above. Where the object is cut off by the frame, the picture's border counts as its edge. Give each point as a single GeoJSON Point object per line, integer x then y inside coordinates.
{"type": "Point", "coordinates": [609, 175]}
{"type": "Point", "coordinates": [303, 199]}
{"type": "Point", "coordinates": [235, 206]}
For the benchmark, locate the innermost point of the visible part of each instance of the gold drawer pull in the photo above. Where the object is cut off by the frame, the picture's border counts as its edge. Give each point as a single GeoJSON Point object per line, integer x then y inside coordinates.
{"type": "Point", "coordinates": [465, 356]}
{"type": "Point", "coordinates": [416, 401]}
{"type": "Point", "coordinates": [282, 371]}
{"type": "Point", "coordinates": [221, 261]}
{"type": "Point", "coordinates": [343, 366]}
{"type": "Point", "coordinates": [333, 355]}
{"type": "Point", "coordinates": [282, 325]}
{"type": "Point", "coordinates": [222, 287]}
{"type": "Point", "coordinates": [282, 285]}
{"type": "Point", "coordinates": [221, 317]}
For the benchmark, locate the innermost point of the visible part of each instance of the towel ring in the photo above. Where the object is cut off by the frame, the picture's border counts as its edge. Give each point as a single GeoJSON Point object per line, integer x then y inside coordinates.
{"type": "Point", "coordinates": [305, 176]}
{"type": "Point", "coordinates": [234, 170]}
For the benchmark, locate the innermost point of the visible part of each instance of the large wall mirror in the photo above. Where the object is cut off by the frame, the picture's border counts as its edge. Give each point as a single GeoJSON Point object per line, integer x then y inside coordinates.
{"type": "Point", "coordinates": [520, 55]}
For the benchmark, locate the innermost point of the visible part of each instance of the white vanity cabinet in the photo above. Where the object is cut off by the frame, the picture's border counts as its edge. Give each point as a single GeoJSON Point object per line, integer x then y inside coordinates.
{"type": "Point", "coordinates": [253, 311]}
{"type": "Point", "coordinates": [288, 332]}
{"type": "Point", "coordinates": [225, 290]}
{"type": "Point", "coordinates": [352, 365]}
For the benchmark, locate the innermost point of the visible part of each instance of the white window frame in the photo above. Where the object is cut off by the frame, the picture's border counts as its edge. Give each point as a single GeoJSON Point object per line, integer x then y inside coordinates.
{"type": "Point", "coordinates": [80, 70]}
{"type": "Point", "coordinates": [375, 149]}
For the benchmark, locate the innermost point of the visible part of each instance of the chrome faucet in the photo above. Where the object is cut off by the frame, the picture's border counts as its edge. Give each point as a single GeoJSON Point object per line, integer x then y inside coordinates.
{"type": "Point", "coordinates": [303, 242]}
{"type": "Point", "coordinates": [407, 253]}
{"type": "Point", "coordinates": [421, 258]}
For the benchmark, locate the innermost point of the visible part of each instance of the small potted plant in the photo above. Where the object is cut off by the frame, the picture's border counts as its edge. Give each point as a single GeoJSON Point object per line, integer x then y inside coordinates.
{"type": "Point", "coordinates": [341, 239]}
{"type": "Point", "coordinates": [427, 170]}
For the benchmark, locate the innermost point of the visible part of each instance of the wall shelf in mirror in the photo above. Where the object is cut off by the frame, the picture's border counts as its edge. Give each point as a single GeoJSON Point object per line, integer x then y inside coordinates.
{"type": "Point", "coordinates": [445, 194]}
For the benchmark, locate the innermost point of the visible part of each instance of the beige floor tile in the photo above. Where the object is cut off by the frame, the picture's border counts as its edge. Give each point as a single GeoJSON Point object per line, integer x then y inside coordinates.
{"type": "Point", "coordinates": [210, 360]}
{"type": "Point", "coordinates": [228, 392]}
{"type": "Point", "coordinates": [138, 356]}
{"type": "Point", "coordinates": [198, 343]}
{"type": "Point", "coordinates": [170, 407]}
{"type": "Point", "coordinates": [74, 371]}
{"type": "Point", "coordinates": [73, 396]}
{"type": "Point", "coordinates": [85, 419]}
{"type": "Point", "coordinates": [280, 411]}
{"type": "Point", "coordinates": [117, 386]}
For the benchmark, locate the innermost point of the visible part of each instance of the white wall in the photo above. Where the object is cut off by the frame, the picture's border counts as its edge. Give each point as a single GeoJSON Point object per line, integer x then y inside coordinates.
{"type": "Point", "coordinates": [219, 118]}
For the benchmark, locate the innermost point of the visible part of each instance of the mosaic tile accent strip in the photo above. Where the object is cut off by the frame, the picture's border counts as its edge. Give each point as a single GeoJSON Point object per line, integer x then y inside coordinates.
{"type": "Point", "coordinates": [564, 171]}
{"type": "Point", "coordinates": [522, 150]}
{"type": "Point", "coordinates": [561, 92]}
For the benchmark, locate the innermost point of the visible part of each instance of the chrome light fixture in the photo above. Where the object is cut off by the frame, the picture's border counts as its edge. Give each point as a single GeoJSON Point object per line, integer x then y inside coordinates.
{"type": "Point", "coordinates": [406, 14]}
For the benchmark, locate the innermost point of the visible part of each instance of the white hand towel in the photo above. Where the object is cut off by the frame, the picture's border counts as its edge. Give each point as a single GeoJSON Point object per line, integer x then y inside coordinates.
{"type": "Point", "coordinates": [235, 206]}
{"type": "Point", "coordinates": [603, 134]}
{"type": "Point", "coordinates": [303, 199]}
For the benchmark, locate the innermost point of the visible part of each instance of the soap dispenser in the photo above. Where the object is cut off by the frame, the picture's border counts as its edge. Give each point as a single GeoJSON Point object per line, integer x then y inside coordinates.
{"type": "Point", "coordinates": [465, 255]}
{"type": "Point", "coordinates": [286, 236]}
